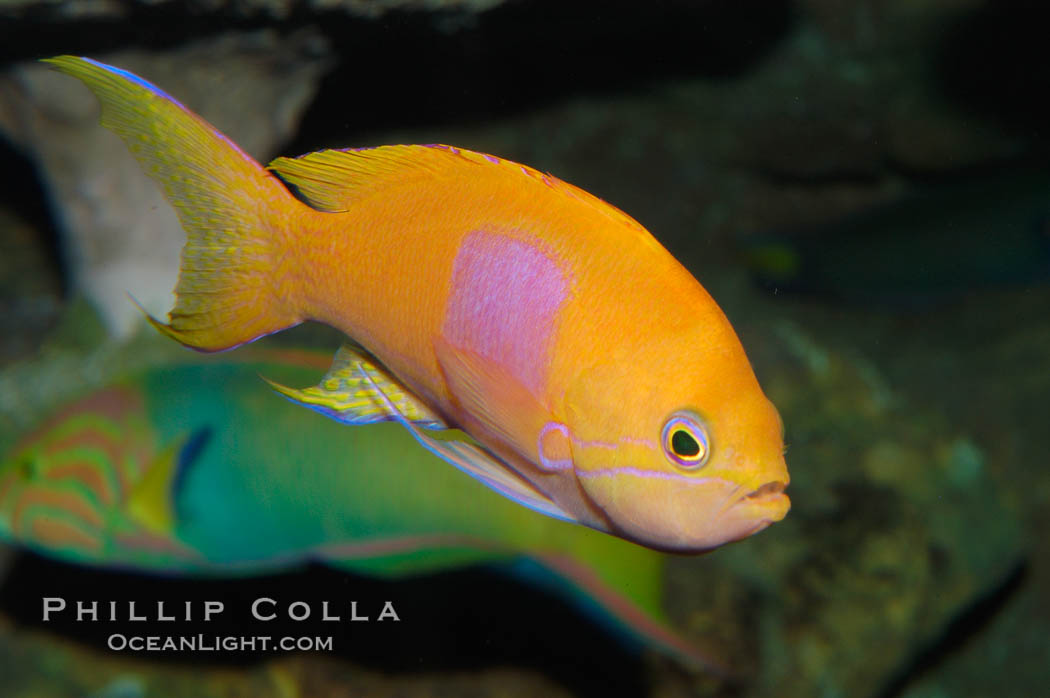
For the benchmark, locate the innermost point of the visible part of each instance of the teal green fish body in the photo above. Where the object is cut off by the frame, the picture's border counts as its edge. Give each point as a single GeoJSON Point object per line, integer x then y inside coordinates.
{"type": "Point", "coordinates": [193, 469]}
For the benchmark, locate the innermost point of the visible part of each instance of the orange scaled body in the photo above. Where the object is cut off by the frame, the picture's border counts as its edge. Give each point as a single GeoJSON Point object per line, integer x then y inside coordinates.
{"type": "Point", "coordinates": [596, 379]}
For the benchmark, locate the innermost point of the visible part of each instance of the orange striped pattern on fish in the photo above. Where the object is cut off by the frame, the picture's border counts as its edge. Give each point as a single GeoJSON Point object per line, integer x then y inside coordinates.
{"type": "Point", "coordinates": [66, 486]}
{"type": "Point", "coordinates": [527, 332]}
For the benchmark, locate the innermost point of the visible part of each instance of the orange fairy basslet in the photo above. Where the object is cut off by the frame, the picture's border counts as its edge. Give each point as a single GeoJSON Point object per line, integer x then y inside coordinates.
{"type": "Point", "coordinates": [522, 329]}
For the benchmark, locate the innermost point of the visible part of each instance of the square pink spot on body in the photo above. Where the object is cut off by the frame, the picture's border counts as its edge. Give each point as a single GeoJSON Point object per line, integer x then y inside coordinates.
{"type": "Point", "coordinates": [504, 303]}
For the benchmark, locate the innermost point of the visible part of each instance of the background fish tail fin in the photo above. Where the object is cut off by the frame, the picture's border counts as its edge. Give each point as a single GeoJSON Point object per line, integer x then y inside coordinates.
{"type": "Point", "coordinates": [231, 208]}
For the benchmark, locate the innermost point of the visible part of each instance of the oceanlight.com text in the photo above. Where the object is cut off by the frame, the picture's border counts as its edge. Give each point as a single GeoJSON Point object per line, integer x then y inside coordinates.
{"type": "Point", "coordinates": [201, 642]}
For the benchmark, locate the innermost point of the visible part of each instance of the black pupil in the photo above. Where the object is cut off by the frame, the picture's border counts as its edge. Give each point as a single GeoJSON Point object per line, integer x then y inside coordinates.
{"type": "Point", "coordinates": [683, 444]}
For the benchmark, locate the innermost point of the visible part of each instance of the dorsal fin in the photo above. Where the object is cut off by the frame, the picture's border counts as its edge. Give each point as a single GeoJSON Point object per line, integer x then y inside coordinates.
{"type": "Point", "coordinates": [332, 180]}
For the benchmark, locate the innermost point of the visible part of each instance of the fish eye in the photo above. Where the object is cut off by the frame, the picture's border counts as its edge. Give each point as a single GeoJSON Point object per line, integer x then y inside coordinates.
{"type": "Point", "coordinates": [685, 441]}
{"type": "Point", "coordinates": [28, 467]}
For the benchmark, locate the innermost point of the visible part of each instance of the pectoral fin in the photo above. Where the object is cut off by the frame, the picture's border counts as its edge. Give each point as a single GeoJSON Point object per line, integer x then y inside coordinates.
{"type": "Point", "coordinates": [151, 500]}
{"type": "Point", "coordinates": [492, 395]}
{"type": "Point", "coordinates": [467, 455]}
{"type": "Point", "coordinates": [346, 396]}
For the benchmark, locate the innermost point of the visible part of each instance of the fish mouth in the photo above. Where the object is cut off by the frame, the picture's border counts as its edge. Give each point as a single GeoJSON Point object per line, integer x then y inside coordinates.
{"type": "Point", "coordinates": [765, 505]}
{"type": "Point", "coordinates": [770, 489]}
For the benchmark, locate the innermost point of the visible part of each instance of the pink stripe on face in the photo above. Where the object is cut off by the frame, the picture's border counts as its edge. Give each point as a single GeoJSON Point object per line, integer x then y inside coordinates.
{"type": "Point", "coordinates": [547, 462]}
{"type": "Point", "coordinates": [614, 471]}
{"type": "Point", "coordinates": [504, 304]}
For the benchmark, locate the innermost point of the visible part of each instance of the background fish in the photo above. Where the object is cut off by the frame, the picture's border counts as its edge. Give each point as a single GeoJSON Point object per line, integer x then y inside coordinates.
{"type": "Point", "coordinates": [597, 380]}
{"type": "Point", "coordinates": [191, 469]}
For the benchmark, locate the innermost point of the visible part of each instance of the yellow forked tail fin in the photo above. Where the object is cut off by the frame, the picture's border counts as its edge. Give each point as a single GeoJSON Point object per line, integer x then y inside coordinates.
{"type": "Point", "coordinates": [232, 210]}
